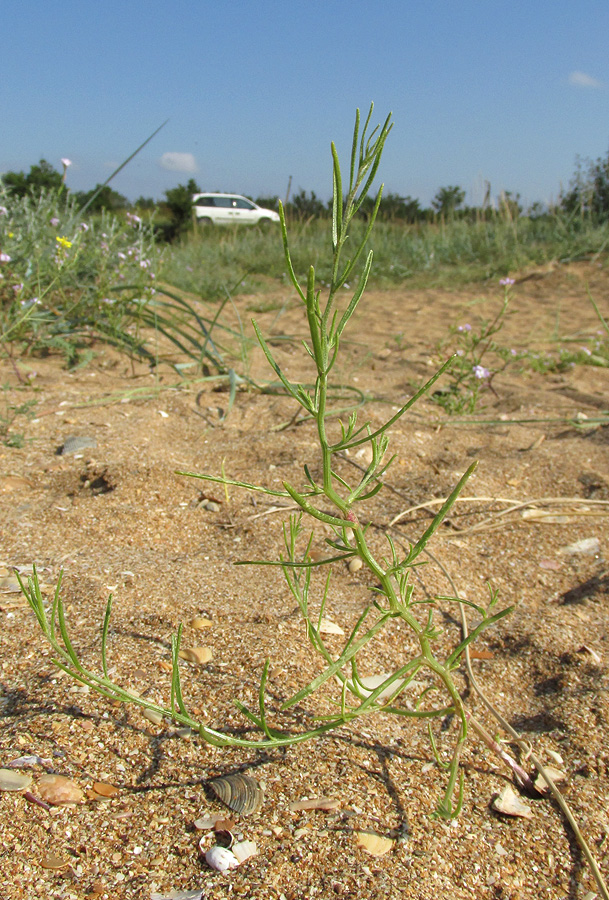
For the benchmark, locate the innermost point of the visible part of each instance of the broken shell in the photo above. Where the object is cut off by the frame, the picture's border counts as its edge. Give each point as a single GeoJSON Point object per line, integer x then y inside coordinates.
{"type": "Point", "coordinates": [221, 859]}
{"type": "Point", "coordinates": [373, 843]}
{"type": "Point", "coordinates": [206, 823]}
{"type": "Point", "coordinates": [244, 850]}
{"type": "Point", "coordinates": [241, 793]}
{"type": "Point", "coordinates": [53, 861]}
{"type": "Point", "coordinates": [556, 775]}
{"type": "Point", "coordinates": [326, 803]}
{"type": "Point", "coordinates": [199, 623]}
{"type": "Point", "coordinates": [509, 803]}
{"type": "Point", "coordinates": [153, 716]}
{"type": "Point", "coordinates": [327, 626]}
{"type": "Point", "coordinates": [196, 654]}
{"type": "Point", "coordinates": [14, 781]}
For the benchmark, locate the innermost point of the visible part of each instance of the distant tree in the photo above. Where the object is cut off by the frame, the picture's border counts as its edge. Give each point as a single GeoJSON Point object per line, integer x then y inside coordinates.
{"type": "Point", "coordinates": [145, 203]}
{"type": "Point", "coordinates": [588, 193]}
{"type": "Point", "coordinates": [448, 200]}
{"type": "Point", "coordinates": [177, 209]}
{"type": "Point", "coordinates": [303, 206]}
{"type": "Point", "coordinates": [393, 208]}
{"type": "Point", "coordinates": [538, 210]}
{"type": "Point", "coordinates": [271, 202]}
{"type": "Point", "coordinates": [42, 177]}
{"type": "Point", "coordinates": [107, 198]}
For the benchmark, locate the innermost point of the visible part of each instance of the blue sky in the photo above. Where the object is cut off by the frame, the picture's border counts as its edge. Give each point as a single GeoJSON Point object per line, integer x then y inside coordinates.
{"type": "Point", "coordinates": [254, 91]}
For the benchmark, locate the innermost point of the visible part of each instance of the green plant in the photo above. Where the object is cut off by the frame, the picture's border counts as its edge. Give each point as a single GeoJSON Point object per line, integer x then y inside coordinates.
{"type": "Point", "coordinates": [8, 416]}
{"type": "Point", "coordinates": [349, 539]}
{"type": "Point", "coordinates": [468, 378]}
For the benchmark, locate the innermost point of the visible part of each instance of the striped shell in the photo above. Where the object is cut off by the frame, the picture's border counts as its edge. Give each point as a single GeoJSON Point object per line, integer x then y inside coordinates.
{"type": "Point", "coordinates": [241, 793]}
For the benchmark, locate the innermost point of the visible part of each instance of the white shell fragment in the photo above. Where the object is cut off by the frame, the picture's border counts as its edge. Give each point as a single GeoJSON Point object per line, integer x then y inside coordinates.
{"type": "Point", "coordinates": [326, 626]}
{"type": "Point", "coordinates": [178, 895]}
{"type": "Point", "coordinates": [221, 859]}
{"type": "Point", "coordinates": [14, 781]}
{"type": "Point", "coordinates": [370, 683]}
{"type": "Point", "coordinates": [206, 823]}
{"type": "Point", "coordinates": [373, 843]}
{"type": "Point", "coordinates": [244, 850]}
{"type": "Point", "coordinates": [153, 716]}
{"type": "Point", "coordinates": [585, 547]}
{"type": "Point", "coordinates": [556, 775]}
{"type": "Point", "coordinates": [355, 565]}
{"type": "Point", "coordinates": [509, 804]}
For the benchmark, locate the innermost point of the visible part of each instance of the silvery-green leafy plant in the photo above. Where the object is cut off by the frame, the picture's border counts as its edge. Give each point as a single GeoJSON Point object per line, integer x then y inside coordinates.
{"type": "Point", "coordinates": [394, 598]}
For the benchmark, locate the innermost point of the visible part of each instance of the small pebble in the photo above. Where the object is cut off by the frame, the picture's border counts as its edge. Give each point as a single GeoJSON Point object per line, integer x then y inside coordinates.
{"type": "Point", "coordinates": [59, 790]}
{"type": "Point", "coordinates": [14, 781]}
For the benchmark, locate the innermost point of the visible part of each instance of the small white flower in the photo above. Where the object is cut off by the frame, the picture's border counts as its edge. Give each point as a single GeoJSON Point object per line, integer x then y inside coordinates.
{"type": "Point", "coordinates": [3, 211]}
{"type": "Point", "coordinates": [66, 162]}
{"type": "Point", "coordinates": [4, 258]}
{"type": "Point", "coordinates": [83, 226]}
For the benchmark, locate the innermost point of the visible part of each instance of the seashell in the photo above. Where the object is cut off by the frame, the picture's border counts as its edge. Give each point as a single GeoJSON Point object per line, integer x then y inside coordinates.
{"type": "Point", "coordinates": [541, 784]}
{"type": "Point", "coordinates": [221, 859]}
{"type": "Point", "coordinates": [315, 803]}
{"type": "Point", "coordinates": [373, 843]}
{"type": "Point", "coordinates": [198, 655]}
{"type": "Point", "coordinates": [326, 626]}
{"type": "Point", "coordinates": [14, 781]}
{"type": "Point", "coordinates": [241, 793]}
{"type": "Point", "coordinates": [244, 850]}
{"type": "Point", "coordinates": [199, 623]}
{"type": "Point", "coordinates": [509, 804]}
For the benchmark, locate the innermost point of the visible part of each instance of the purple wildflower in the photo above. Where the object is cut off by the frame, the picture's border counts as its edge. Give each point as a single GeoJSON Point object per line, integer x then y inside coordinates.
{"type": "Point", "coordinates": [481, 372]}
{"type": "Point", "coordinates": [506, 282]}
{"type": "Point", "coordinates": [4, 258]}
{"type": "Point", "coordinates": [466, 327]}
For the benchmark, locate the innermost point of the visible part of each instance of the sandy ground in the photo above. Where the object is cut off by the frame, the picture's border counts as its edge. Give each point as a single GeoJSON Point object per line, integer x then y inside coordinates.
{"type": "Point", "coordinates": [117, 518]}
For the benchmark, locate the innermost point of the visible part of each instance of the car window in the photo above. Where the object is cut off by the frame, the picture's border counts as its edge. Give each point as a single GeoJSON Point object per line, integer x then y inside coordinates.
{"type": "Point", "coordinates": [204, 201]}
{"type": "Point", "coordinates": [224, 202]}
{"type": "Point", "coordinates": [244, 204]}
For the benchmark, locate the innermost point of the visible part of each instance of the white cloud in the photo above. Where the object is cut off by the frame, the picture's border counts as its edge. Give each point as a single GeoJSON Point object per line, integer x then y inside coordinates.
{"type": "Point", "coordinates": [179, 162]}
{"type": "Point", "coordinates": [580, 79]}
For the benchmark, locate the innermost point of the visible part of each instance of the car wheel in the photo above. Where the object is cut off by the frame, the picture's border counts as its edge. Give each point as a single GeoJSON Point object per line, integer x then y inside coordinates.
{"type": "Point", "coordinates": [264, 224]}
{"type": "Point", "coordinates": [205, 221]}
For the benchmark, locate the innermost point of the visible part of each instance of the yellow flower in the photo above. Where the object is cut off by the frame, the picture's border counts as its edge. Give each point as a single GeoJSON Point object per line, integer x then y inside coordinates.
{"type": "Point", "coordinates": [64, 242]}
{"type": "Point", "coordinates": [10, 234]}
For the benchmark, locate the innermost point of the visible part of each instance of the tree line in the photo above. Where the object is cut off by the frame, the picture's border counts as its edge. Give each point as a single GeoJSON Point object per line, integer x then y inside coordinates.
{"type": "Point", "coordinates": [587, 196]}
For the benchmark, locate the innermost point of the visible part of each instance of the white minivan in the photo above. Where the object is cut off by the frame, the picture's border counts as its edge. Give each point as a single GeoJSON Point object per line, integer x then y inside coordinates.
{"type": "Point", "coordinates": [231, 209]}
